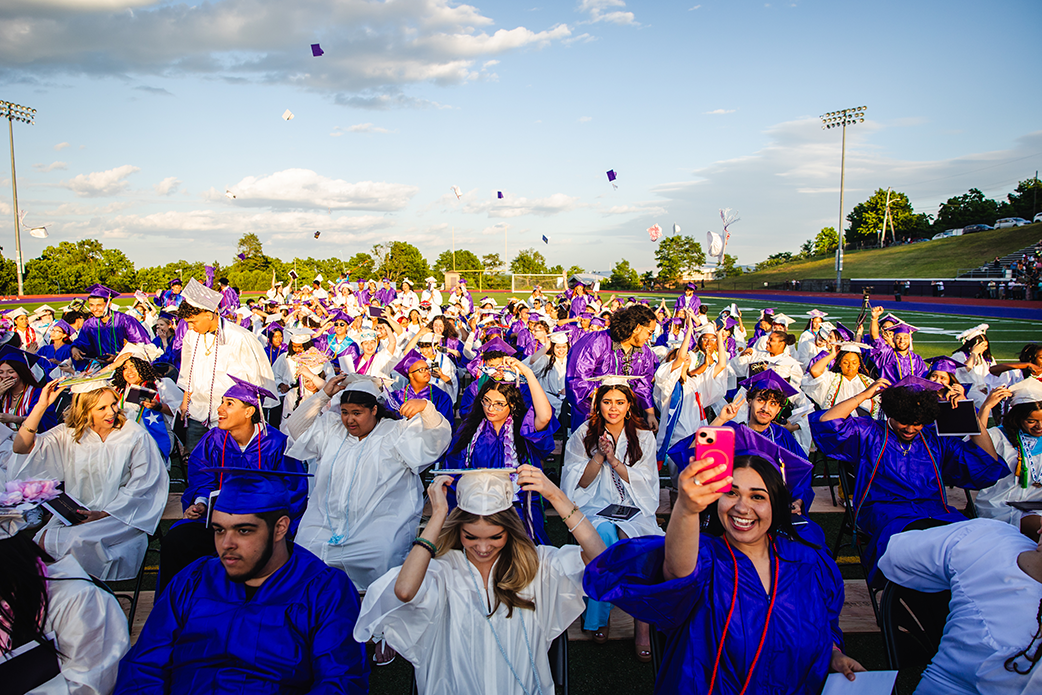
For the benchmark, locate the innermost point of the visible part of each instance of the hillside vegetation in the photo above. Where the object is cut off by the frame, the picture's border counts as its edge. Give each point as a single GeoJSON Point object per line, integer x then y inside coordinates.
{"type": "Point", "coordinates": [943, 258]}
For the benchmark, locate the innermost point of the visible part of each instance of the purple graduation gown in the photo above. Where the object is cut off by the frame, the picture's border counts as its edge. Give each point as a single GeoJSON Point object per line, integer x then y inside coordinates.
{"type": "Point", "coordinates": [268, 451]}
{"type": "Point", "coordinates": [593, 356]}
{"type": "Point", "coordinates": [96, 339]}
{"type": "Point", "coordinates": [578, 305]}
{"type": "Point", "coordinates": [685, 302]}
{"type": "Point", "coordinates": [893, 367]}
{"type": "Point", "coordinates": [292, 637]}
{"type": "Point", "coordinates": [441, 400]}
{"type": "Point", "coordinates": [908, 486]}
{"type": "Point", "coordinates": [692, 612]}
{"type": "Point", "coordinates": [386, 295]}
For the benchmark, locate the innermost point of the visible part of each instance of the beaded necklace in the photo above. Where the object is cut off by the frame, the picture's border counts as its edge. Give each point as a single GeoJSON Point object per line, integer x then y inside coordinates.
{"type": "Point", "coordinates": [213, 375]}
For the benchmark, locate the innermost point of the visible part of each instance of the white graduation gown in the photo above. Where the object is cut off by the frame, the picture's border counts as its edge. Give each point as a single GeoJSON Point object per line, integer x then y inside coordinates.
{"type": "Point", "coordinates": [364, 507]}
{"type": "Point", "coordinates": [553, 381]}
{"type": "Point", "coordinates": [381, 366]}
{"type": "Point", "coordinates": [700, 392]}
{"type": "Point", "coordinates": [124, 475]}
{"type": "Point", "coordinates": [642, 490]}
{"type": "Point", "coordinates": [207, 376]}
{"type": "Point", "coordinates": [832, 387]}
{"type": "Point", "coordinates": [90, 632]}
{"type": "Point", "coordinates": [991, 501]}
{"type": "Point", "coordinates": [444, 633]}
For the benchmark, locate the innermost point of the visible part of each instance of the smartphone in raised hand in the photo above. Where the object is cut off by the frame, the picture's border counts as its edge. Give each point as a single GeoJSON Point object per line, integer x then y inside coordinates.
{"type": "Point", "coordinates": [716, 444]}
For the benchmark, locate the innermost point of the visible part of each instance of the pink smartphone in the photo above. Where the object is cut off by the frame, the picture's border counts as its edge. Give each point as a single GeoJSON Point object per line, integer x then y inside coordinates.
{"type": "Point", "coordinates": [716, 443]}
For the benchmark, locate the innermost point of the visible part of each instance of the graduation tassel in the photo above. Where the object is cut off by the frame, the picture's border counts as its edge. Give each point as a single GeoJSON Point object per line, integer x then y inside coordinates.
{"type": "Point", "coordinates": [1023, 474]}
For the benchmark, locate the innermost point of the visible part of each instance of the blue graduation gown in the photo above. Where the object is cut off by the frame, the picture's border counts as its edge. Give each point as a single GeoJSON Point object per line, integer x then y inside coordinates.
{"type": "Point", "coordinates": [96, 339]}
{"type": "Point", "coordinates": [466, 399]}
{"type": "Point", "coordinates": [334, 349]}
{"type": "Point", "coordinates": [441, 400]}
{"type": "Point", "coordinates": [906, 487]}
{"type": "Point", "coordinates": [692, 612]}
{"type": "Point", "coordinates": [268, 451]}
{"type": "Point", "coordinates": [170, 354]}
{"type": "Point", "coordinates": [893, 367]}
{"type": "Point", "coordinates": [594, 355]}
{"type": "Point", "coordinates": [292, 637]}
{"type": "Point", "coordinates": [274, 352]}
{"type": "Point", "coordinates": [55, 357]}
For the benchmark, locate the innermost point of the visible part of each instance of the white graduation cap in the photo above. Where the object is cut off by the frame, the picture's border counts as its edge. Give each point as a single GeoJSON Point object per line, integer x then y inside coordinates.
{"type": "Point", "coordinates": [200, 296]}
{"type": "Point", "coordinates": [288, 115]}
{"type": "Point", "coordinates": [15, 313]}
{"type": "Point", "coordinates": [485, 491]}
{"type": "Point", "coordinates": [41, 309]}
{"type": "Point", "coordinates": [782, 319]}
{"type": "Point", "coordinates": [847, 346]}
{"type": "Point", "coordinates": [614, 379]}
{"type": "Point", "coordinates": [88, 384]}
{"type": "Point", "coordinates": [319, 278]}
{"type": "Point", "coordinates": [300, 335]}
{"type": "Point", "coordinates": [825, 330]}
{"type": "Point", "coordinates": [142, 351]}
{"type": "Point", "coordinates": [972, 333]}
{"type": "Point", "coordinates": [560, 337]}
{"type": "Point", "coordinates": [1027, 391]}
{"type": "Point", "coordinates": [366, 384]}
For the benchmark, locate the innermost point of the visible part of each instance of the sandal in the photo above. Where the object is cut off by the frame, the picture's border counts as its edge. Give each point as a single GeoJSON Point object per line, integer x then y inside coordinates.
{"type": "Point", "coordinates": [383, 654]}
{"type": "Point", "coordinates": [600, 636]}
{"type": "Point", "coordinates": [643, 652]}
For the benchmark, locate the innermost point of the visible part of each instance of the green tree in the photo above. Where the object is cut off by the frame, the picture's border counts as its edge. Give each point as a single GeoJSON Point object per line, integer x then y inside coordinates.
{"type": "Point", "coordinates": [8, 276]}
{"type": "Point", "coordinates": [250, 244]}
{"type": "Point", "coordinates": [624, 277]}
{"type": "Point", "coordinates": [360, 266]}
{"type": "Point", "coordinates": [556, 269]}
{"type": "Point", "coordinates": [826, 242]}
{"type": "Point", "coordinates": [866, 219]}
{"type": "Point", "coordinates": [400, 260]}
{"type": "Point", "coordinates": [729, 268]}
{"type": "Point", "coordinates": [528, 261]}
{"type": "Point", "coordinates": [969, 208]}
{"type": "Point", "coordinates": [1025, 201]}
{"type": "Point", "coordinates": [491, 262]}
{"type": "Point", "coordinates": [647, 280]}
{"type": "Point", "coordinates": [576, 270]}
{"type": "Point", "coordinates": [807, 250]}
{"type": "Point", "coordinates": [158, 277]}
{"type": "Point", "coordinates": [775, 259]}
{"type": "Point", "coordinates": [73, 267]}
{"type": "Point", "coordinates": [677, 256]}
{"type": "Point", "coordinates": [464, 260]}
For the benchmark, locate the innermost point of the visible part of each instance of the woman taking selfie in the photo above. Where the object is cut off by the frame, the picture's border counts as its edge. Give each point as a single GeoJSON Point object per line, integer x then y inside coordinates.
{"type": "Point", "coordinates": [477, 603]}
{"type": "Point", "coordinates": [787, 594]}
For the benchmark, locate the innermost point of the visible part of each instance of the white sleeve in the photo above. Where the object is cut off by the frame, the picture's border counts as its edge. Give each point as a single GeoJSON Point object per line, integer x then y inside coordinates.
{"type": "Point", "coordinates": [559, 598]}
{"type": "Point", "coordinates": [643, 486]}
{"type": "Point", "coordinates": [817, 388]}
{"type": "Point", "coordinates": [921, 560]}
{"type": "Point", "coordinates": [417, 445]}
{"type": "Point", "coordinates": [92, 637]}
{"type": "Point", "coordinates": [575, 460]}
{"type": "Point", "coordinates": [141, 500]}
{"type": "Point", "coordinates": [407, 627]}
{"type": "Point", "coordinates": [303, 421]}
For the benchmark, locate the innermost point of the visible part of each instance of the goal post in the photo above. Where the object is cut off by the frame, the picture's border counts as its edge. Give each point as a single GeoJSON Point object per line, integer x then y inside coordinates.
{"type": "Point", "coordinates": [526, 282]}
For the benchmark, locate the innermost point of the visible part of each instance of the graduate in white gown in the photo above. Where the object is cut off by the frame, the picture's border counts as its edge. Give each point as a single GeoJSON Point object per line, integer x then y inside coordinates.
{"type": "Point", "coordinates": [41, 596]}
{"type": "Point", "coordinates": [109, 464]}
{"type": "Point", "coordinates": [477, 604]}
{"type": "Point", "coordinates": [611, 460]}
{"type": "Point", "coordinates": [991, 637]}
{"type": "Point", "coordinates": [827, 387]}
{"type": "Point", "coordinates": [374, 361]}
{"type": "Point", "coordinates": [367, 495]}
{"type": "Point", "coordinates": [1018, 442]}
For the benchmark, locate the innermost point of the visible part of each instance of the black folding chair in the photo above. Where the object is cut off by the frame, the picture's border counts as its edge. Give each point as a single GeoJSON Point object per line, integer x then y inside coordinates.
{"type": "Point", "coordinates": [912, 623]}
{"type": "Point", "coordinates": [858, 539]}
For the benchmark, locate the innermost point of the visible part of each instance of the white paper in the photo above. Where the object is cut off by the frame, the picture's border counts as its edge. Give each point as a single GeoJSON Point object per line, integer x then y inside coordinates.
{"type": "Point", "coordinates": [867, 683]}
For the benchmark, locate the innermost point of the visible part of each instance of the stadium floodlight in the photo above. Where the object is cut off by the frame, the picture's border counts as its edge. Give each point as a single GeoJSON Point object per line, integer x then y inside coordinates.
{"type": "Point", "coordinates": [841, 119]}
{"type": "Point", "coordinates": [22, 114]}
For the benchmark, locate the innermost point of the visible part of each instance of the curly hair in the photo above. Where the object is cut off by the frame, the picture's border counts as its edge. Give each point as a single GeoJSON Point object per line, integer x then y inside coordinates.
{"type": "Point", "coordinates": [635, 420]}
{"type": "Point", "coordinates": [910, 406]}
{"type": "Point", "coordinates": [767, 395]}
{"type": "Point", "coordinates": [1030, 353]}
{"type": "Point", "coordinates": [518, 561]}
{"type": "Point", "coordinates": [145, 370]}
{"type": "Point", "coordinates": [625, 321]}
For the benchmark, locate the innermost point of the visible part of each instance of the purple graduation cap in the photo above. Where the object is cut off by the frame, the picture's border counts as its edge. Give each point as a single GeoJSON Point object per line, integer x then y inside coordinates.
{"type": "Point", "coordinates": [768, 379]}
{"type": "Point", "coordinates": [175, 281]}
{"type": "Point", "coordinates": [499, 194]}
{"type": "Point", "coordinates": [904, 328]}
{"type": "Point", "coordinates": [545, 240]}
{"type": "Point", "coordinates": [316, 50]}
{"type": "Point", "coordinates": [242, 256]}
{"type": "Point", "coordinates": [406, 363]}
{"type": "Point", "coordinates": [943, 363]}
{"type": "Point", "coordinates": [497, 344]}
{"type": "Point", "coordinates": [253, 490]}
{"type": "Point", "coordinates": [317, 234]}
{"type": "Point", "coordinates": [597, 322]}
{"type": "Point", "coordinates": [210, 273]}
{"type": "Point", "coordinates": [844, 332]}
{"type": "Point", "coordinates": [915, 383]}
{"type": "Point", "coordinates": [30, 360]}
{"type": "Point", "coordinates": [250, 394]}
{"type": "Point", "coordinates": [611, 178]}
{"type": "Point", "coordinates": [102, 292]}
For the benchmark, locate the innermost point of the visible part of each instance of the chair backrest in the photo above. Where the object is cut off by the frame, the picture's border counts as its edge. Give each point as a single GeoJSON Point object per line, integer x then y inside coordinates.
{"type": "Point", "coordinates": [912, 623]}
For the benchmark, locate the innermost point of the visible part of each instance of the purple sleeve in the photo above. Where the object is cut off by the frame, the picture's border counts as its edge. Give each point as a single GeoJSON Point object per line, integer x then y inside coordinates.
{"type": "Point", "coordinates": [582, 364]}
{"type": "Point", "coordinates": [132, 329]}
{"type": "Point", "coordinates": [842, 438]}
{"type": "Point", "coordinates": [540, 442]}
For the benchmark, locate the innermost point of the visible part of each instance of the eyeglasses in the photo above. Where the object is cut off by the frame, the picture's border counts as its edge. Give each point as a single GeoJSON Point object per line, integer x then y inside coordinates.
{"type": "Point", "coordinates": [340, 323]}
{"type": "Point", "coordinates": [421, 370]}
{"type": "Point", "coordinates": [494, 406]}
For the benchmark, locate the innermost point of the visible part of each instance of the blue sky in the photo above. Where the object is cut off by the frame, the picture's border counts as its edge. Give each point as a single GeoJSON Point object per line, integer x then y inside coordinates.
{"type": "Point", "coordinates": [149, 111]}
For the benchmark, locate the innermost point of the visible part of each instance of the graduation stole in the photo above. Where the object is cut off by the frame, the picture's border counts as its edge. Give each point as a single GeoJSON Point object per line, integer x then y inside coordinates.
{"type": "Point", "coordinates": [1025, 471]}
{"type": "Point", "coordinates": [875, 468]}
{"type": "Point", "coordinates": [833, 393]}
{"type": "Point", "coordinates": [730, 613]}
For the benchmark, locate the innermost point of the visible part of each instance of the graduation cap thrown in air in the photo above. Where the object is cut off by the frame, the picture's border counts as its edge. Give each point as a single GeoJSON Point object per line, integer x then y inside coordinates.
{"type": "Point", "coordinates": [316, 50]}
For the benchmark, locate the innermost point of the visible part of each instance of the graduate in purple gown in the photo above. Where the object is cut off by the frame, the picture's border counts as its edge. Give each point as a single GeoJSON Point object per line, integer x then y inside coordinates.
{"type": "Point", "coordinates": [492, 365]}
{"type": "Point", "coordinates": [687, 300]}
{"type": "Point", "coordinates": [338, 342]}
{"type": "Point", "coordinates": [59, 348]}
{"type": "Point", "coordinates": [579, 301]}
{"type": "Point", "coordinates": [276, 342]}
{"type": "Point", "coordinates": [503, 432]}
{"type": "Point", "coordinates": [265, 617]}
{"type": "Point", "coordinates": [230, 298]}
{"type": "Point", "coordinates": [897, 361]}
{"type": "Point", "coordinates": [902, 466]}
{"type": "Point", "coordinates": [105, 333]}
{"type": "Point", "coordinates": [621, 350]}
{"type": "Point", "coordinates": [170, 298]}
{"type": "Point", "coordinates": [414, 368]}
{"type": "Point", "coordinates": [386, 294]}
{"type": "Point", "coordinates": [240, 440]}
{"type": "Point", "coordinates": [747, 606]}
{"type": "Point", "coordinates": [764, 325]}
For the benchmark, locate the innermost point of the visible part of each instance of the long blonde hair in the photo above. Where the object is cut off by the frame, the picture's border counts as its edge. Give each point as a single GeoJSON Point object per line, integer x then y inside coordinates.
{"type": "Point", "coordinates": [518, 561]}
{"type": "Point", "coordinates": [77, 417]}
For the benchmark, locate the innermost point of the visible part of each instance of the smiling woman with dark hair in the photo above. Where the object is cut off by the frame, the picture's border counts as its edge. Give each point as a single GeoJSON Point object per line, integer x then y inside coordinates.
{"type": "Point", "coordinates": [754, 609]}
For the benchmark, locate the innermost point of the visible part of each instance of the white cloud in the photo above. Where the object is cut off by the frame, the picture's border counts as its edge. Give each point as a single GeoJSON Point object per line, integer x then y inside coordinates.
{"type": "Point", "coordinates": [60, 146]}
{"type": "Point", "coordinates": [601, 11]}
{"type": "Point", "coordinates": [581, 38]}
{"type": "Point", "coordinates": [500, 228]}
{"type": "Point", "coordinates": [489, 63]}
{"type": "Point", "coordinates": [372, 49]}
{"type": "Point", "coordinates": [517, 207]}
{"type": "Point", "coordinates": [692, 9]}
{"type": "Point", "coordinates": [167, 186]}
{"type": "Point", "coordinates": [585, 119]}
{"type": "Point", "coordinates": [101, 183]}
{"type": "Point", "coordinates": [366, 128]}
{"type": "Point", "coordinates": [718, 112]}
{"type": "Point", "coordinates": [50, 167]}
{"type": "Point", "coordinates": [303, 188]}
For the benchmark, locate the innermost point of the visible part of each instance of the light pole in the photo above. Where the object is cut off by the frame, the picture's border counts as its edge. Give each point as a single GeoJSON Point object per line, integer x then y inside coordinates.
{"type": "Point", "coordinates": [14, 112]}
{"type": "Point", "coordinates": [841, 119]}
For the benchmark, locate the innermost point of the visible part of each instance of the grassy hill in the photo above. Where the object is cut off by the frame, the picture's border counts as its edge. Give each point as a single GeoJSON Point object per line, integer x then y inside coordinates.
{"type": "Point", "coordinates": [929, 259]}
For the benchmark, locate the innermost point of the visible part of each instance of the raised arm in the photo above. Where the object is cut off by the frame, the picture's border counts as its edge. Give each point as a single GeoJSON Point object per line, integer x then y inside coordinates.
{"type": "Point", "coordinates": [682, 535]}
{"type": "Point", "coordinates": [414, 569]}
{"type": "Point", "coordinates": [25, 438]}
{"type": "Point", "coordinates": [532, 479]}
{"type": "Point", "coordinates": [873, 326]}
{"type": "Point", "coordinates": [544, 412]}
{"type": "Point", "coordinates": [845, 408]}
{"type": "Point", "coordinates": [819, 367]}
